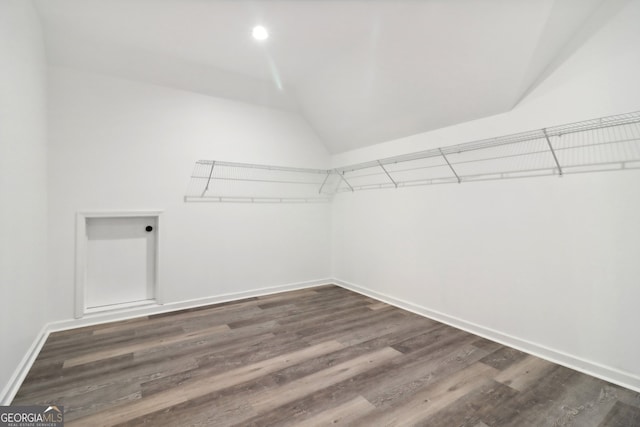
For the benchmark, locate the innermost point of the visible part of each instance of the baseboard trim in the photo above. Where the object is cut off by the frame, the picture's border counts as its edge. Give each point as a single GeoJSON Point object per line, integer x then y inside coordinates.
{"type": "Point", "coordinates": [607, 373]}
{"type": "Point", "coordinates": [20, 373]}
{"type": "Point", "coordinates": [131, 313]}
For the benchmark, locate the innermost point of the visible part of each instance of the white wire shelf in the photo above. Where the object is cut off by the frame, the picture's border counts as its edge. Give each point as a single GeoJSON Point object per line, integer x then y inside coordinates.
{"type": "Point", "coordinates": [603, 144]}
{"type": "Point", "coordinates": [215, 181]}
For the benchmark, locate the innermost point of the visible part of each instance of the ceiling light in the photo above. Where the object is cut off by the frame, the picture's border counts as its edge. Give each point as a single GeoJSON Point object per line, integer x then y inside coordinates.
{"type": "Point", "coordinates": [260, 33]}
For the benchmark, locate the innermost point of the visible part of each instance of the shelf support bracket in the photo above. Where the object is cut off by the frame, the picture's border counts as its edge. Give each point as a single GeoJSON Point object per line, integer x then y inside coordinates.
{"type": "Point", "coordinates": [395, 184]}
{"type": "Point", "coordinates": [546, 136]}
{"type": "Point", "coordinates": [324, 182]}
{"type": "Point", "coordinates": [345, 181]}
{"type": "Point", "coordinates": [448, 163]}
{"type": "Point", "coordinates": [206, 188]}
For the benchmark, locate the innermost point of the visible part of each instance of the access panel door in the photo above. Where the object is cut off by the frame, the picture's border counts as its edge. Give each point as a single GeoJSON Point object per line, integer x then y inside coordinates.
{"type": "Point", "coordinates": [120, 261]}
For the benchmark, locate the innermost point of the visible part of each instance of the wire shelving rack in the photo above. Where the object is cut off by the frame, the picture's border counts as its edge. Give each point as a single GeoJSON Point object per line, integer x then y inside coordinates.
{"type": "Point", "coordinates": [216, 181]}
{"type": "Point", "coordinates": [603, 144]}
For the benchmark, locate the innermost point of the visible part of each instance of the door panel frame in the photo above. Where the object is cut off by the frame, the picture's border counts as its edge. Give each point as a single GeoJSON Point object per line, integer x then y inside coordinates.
{"type": "Point", "coordinates": [81, 252]}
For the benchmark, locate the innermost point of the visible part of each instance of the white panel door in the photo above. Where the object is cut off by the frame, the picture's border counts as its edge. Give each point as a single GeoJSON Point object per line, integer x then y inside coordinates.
{"type": "Point", "coordinates": [120, 260]}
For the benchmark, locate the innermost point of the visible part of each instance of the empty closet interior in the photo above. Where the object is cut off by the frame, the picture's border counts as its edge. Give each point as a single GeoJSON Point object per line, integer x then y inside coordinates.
{"type": "Point", "coordinates": [463, 172]}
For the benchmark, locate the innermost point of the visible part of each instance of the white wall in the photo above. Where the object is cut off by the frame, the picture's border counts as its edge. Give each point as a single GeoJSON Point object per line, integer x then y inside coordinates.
{"type": "Point", "coordinates": [551, 262]}
{"type": "Point", "coordinates": [122, 145]}
{"type": "Point", "coordinates": [23, 196]}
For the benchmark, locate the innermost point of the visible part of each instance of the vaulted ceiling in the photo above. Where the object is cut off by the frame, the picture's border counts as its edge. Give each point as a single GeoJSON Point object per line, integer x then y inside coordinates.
{"type": "Point", "coordinates": [360, 72]}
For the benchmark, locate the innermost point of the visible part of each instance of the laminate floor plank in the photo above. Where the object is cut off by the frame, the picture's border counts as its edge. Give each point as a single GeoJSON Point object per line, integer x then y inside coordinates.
{"type": "Point", "coordinates": [150, 360]}
{"type": "Point", "coordinates": [394, 331]}
{"type": "Point", "coordinates": [377, 305]}
{"type": "Point", "coordinates": [263, 349]}
{"type": "Point", "coordinates": [503, 358]}
{"type": "Point", "coordinates": [207, 368]}
{"type": "Point", "coordinates": [470, 410]}
{"type": "Point", "coordinates": [92, 344]}
{"type": "Point", "coordinates": [205, 385]}
{"type": "Point", "coordinates": [290, 391]}
{"type": "Point", "coordinates": [139, 346]}
{"type": "Point", "coordinates": [345, 414]}
{"type": "Point", "coordinates": [312, 357]}
{"type": "Point", "coordinates": [329, 316]}
{"type": "Point", "coordinates": [417, 371]}
{"type": "Point", "coordinates": [338, 326]}
{"type": "Point", "coordinates": [487, 345]}
{"type": "Point", "coordinates": [206, 342]}
{"type": "Point", "coordinates": [583, 401]}
{"type": "Point", "coordinates": [622, 415]}
{"type": "Point", "coordinates": [270, 393]}
{"type": "Point", "coordinates": [295, 313]}
{"type": "Point", "coordinates": [407, 370]}
{"type": "Point", "coordinates": [300, 299]}
{"type": "Point", "coordinates": [420, 405]}
{"type": "Point", "coordinates": [88, 383]}
{"type": "Point", "coordinates": [526, 372]}
{"type": "Point", "coordinates": [531, 406]}
{"type": "Point", "coordinates": [66, 379]}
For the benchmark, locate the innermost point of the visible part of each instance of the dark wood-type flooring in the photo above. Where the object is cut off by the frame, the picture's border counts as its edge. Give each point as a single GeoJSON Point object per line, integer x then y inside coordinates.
{"type": "Point", "coordinates": [314, 357]}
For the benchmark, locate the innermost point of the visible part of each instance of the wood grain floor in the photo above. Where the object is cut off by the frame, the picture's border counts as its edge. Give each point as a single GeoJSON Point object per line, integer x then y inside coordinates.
{"type": "Point", "coordinates": [321, 356]}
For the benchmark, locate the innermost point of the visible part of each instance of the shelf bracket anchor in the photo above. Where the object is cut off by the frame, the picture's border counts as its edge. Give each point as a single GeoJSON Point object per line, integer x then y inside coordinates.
{"type": "Point", "coordinates": [450, 167]}
{"type": "Point", "coordinates": [206, 188]}
{"type": "Point", "coordinates": [324, 182]}
{"type": "Point", "coordinates": [345, 181]}
{"type": "Point", "coordinates": [395, 184]}
{"type": "Point", "coordinates": [546, 136]}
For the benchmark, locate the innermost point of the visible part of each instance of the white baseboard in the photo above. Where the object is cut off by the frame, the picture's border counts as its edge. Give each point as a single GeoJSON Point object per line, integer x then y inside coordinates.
{"type": "Point", "coordinates": [20, 373]}
{"type": "Point", "coordinates": [607, 373]}
{"type": "Point", "coordinates": [147, 310]}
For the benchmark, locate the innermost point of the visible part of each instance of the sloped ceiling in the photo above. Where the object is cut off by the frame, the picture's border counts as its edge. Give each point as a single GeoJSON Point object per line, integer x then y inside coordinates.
{"type": "Point", "coordinates": [360, 72]}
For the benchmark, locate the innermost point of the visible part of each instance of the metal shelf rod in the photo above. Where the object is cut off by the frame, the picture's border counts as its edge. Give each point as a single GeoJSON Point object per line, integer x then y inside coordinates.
{"type": "Point", "coordinates": [206, 188]}
{"type": "Point", "coordinates": [264, 167]}
{"type": "Point", "coordinates": [555, 158]}
{"type": "Point", "coordinates": [220, 178]}
{"type": "Point", "coordinates": [385, 171]}
{"type": "Point", "coordinates": [451, 167]}
{"type": "Point", "coordinates": [324, 182]}
{"type": "Point", "coordinates": [345, 181]}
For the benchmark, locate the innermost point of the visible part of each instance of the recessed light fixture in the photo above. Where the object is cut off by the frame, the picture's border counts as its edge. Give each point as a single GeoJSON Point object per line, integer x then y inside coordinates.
{"type": "Point", "coordinates": [260, 33]}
